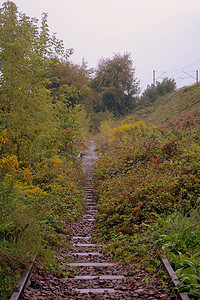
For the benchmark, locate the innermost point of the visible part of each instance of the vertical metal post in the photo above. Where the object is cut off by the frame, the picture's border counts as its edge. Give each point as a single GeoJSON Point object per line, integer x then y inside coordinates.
{"type": "Point", "coordinates": [197, 76]}
{"type": "Point", "coordinates": [154, 78]}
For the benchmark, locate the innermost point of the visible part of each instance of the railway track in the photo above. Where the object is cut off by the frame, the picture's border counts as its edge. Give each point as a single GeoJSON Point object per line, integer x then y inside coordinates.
{"type": "Point", "coordinates": [91, 273]}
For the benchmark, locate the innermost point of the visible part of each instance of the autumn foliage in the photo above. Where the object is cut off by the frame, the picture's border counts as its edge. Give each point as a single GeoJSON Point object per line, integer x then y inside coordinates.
{"type": "Point", "coordinates": [148, 186]}
{"type": "Point", "coordinates": [144, 172]}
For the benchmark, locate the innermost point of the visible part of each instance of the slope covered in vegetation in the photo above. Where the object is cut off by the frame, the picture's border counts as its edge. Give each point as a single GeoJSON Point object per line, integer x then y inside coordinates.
{"type": "Point", "coordinates": [173, 107]}
{"type": "Point", "coordinates": [148, 186]}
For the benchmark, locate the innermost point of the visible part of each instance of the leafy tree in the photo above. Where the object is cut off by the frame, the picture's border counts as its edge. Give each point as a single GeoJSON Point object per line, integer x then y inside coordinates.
{"type": "Point", "coordinates": [24, 99]}
{"type": "Point", "coordinates": [166, 86]}
{"type": "Point", "coordinates": [161, 89]}
{"type": "Point", "coordinates": [68, 84]}
{"type": "Point", "coordinates": [26, 56]}
{"type": "Point", "coordinates": [115, 85]}
{"type": "Point", "coordinates": [71, 80]}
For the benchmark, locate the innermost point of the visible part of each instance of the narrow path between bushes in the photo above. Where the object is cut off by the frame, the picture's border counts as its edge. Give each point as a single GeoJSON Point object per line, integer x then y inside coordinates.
{"type": "Point", "coordinates": [91, 272]}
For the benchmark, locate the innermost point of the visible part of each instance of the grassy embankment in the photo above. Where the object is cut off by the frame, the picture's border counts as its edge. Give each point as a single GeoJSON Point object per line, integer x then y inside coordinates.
{"type": "Point", "coordinates": [148, 188]}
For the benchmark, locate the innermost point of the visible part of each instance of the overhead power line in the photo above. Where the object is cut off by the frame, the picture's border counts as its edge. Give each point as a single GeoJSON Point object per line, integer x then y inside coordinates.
{"type": "Point", "coordinates": [180, 70]}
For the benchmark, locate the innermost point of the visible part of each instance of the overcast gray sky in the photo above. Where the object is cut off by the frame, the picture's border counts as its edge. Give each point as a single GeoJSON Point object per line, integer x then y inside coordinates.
{"type": "Point", "coordinates": [161, 35]}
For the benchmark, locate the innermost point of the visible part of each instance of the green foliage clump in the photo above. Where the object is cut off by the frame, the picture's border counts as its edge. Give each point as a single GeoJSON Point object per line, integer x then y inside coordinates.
{"type": "Point", "coordinates": [154, 92]}
{"type": "Point", "coordinates": [188, 270]}
{"type": "Point", "coordinates": [179, 238]}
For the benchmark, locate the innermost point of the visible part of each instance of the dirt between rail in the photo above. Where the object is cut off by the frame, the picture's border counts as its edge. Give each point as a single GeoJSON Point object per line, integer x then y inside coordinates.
{"type": "Point", "coordinates": [91, 273]}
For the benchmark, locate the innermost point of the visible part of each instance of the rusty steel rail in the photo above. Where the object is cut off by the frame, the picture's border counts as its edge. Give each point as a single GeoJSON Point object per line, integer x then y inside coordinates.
{"type": "Point", "coordinates": [173, 276]}
{"type": "Point", "coordinates": [23, 280]}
